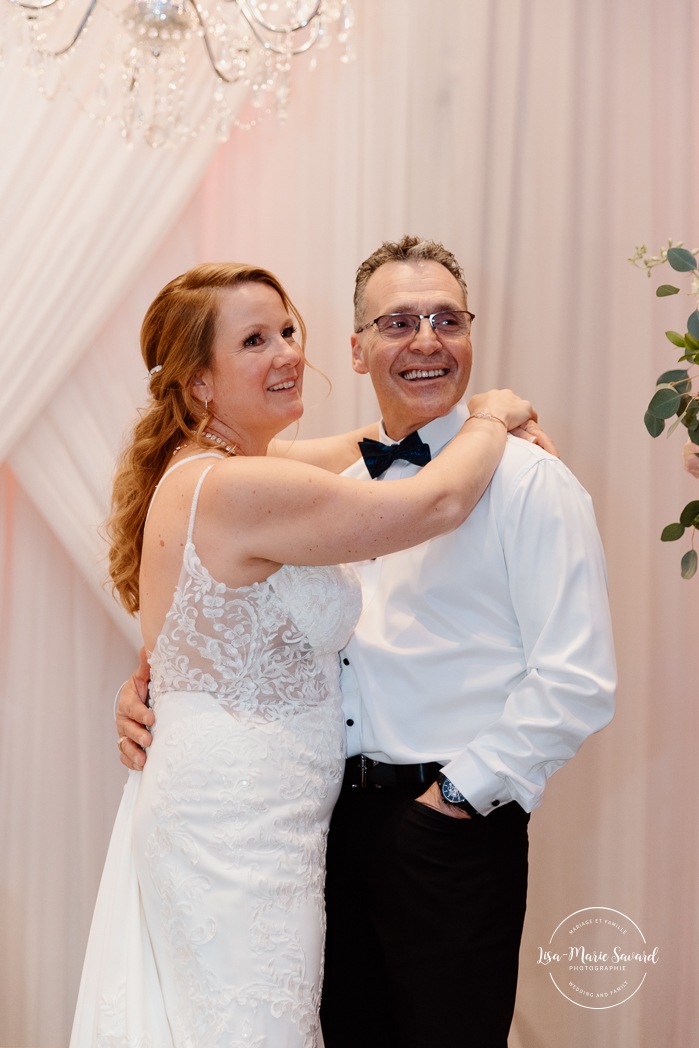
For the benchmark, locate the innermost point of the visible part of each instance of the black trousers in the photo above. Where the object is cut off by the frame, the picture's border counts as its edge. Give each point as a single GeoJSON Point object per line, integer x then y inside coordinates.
{"type": "Point", "coordinates": [425, 917]}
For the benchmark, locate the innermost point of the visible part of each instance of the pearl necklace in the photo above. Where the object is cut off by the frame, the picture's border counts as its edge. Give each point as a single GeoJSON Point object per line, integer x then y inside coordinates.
{"type": "Point", "coordinates": [230, 449]}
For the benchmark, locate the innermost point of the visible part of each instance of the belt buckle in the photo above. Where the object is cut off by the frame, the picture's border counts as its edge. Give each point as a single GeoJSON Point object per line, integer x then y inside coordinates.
{"type": "Point", "coordinates": [364, 764]}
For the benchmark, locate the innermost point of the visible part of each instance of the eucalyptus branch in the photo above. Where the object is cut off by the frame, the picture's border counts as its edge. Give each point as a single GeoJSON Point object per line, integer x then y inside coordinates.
{"type": "Point", "coordinates": [674, 394]}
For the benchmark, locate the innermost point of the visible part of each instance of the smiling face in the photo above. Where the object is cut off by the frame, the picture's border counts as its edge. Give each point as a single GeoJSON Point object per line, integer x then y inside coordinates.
{"type": "Point", "coordinates": [254, 383]}
{"type": "Point", "coordinates": [421, 379]}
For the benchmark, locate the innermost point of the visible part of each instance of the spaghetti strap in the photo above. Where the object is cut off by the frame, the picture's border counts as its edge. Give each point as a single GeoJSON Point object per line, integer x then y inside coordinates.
{"type": "Point", "coordinates": [171, 469]}
{"type": "Point", "coordinates": [184, 461]}
{"type": "Point", "coordinates": [195, 502]}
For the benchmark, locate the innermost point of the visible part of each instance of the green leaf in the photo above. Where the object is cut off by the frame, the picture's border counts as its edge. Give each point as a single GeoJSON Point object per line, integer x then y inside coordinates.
{"type": "Point", "coordinates": [689, 419]}
{"type": "Point", "coordinates": [654, 425]}
{"type": "Point", "coordinates": [671, 532]}
{"type": "Point", "coordinates": [691, 343]}
{"type": "Point", "coordinates": [666, 290]}
{"type": "Point", "coordinates": [688, 564]}
{"type": "Point", "coordinates": [681, 260]}
{"type": "Point", "coordinates": [693, 325]}
{"type": "Point", "coordinates": [694, 436]}
{"type": "Point", "coordinates": [664, 403]}
{"type": "Point", "coordinates": [675, 338]}
{"type": "Point", "coordinates": [679, 378]}
{"type": "Point", "coordinates": [689, 516]}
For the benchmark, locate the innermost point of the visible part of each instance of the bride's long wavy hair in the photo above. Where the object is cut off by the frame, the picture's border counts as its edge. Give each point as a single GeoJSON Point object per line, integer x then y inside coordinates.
{"type": "Point", "coordinates": [177, 338]}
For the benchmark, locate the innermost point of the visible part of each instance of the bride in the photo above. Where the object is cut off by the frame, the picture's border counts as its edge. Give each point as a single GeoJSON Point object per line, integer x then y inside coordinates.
{"type": "Point", "coordinates": [208, 928]}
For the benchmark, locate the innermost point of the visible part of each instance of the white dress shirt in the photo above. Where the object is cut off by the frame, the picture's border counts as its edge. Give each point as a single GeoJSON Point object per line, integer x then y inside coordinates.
{"type": "Point", "coordinates": [488, 649]}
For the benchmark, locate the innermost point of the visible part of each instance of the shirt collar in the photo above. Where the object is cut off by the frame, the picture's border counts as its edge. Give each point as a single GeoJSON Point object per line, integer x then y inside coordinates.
{"type": "Point", "coordinates": [439, 431]}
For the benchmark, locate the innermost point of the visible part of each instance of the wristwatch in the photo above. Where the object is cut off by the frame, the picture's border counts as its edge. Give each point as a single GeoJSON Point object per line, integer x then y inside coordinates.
{"type": "Point", "coordinates": [452, 795]}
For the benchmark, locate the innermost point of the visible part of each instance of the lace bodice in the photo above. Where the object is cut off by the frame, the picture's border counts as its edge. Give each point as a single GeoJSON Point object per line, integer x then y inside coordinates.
{"type": "Point", "coordinates": [268, 649]}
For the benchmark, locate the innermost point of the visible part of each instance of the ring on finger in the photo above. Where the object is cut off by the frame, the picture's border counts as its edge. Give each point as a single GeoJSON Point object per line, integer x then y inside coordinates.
{"type": "Point", "coordinates": [122, 739]}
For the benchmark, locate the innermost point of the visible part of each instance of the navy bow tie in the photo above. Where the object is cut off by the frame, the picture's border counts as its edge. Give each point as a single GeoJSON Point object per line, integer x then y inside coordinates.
{"type": "Point", "coordinates": [378, 457]}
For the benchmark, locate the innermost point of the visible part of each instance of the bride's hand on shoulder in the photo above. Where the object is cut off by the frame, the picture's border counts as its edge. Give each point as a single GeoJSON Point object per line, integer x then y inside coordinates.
{"type": "Point", "coordinates": [504, 405]}
{"type": "Point", "coordinates": [517, 414]}
{"type": "Point", "coordinates": [533, 432]}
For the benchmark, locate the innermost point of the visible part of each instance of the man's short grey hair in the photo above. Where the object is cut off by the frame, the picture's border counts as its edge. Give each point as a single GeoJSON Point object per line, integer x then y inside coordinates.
{"type": "Point", "coordinates": [408, 249]}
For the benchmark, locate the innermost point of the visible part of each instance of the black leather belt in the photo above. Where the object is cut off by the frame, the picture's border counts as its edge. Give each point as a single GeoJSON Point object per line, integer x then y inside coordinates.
{"type": "Point", "coordinates": [364, 773]}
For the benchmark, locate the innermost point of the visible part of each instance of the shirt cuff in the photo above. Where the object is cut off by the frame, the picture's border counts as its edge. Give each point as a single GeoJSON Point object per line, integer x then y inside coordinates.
{"type": "Point", "coordinates": [485, 792]}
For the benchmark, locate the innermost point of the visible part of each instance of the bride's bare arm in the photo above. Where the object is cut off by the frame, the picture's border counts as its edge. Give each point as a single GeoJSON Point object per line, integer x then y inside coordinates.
{"type": "Point", "coordinates": [287, 512]}
{"type": "Point", "coordinates": [337, 453]}
{"type": "Point", "coordinates": [334, 453]}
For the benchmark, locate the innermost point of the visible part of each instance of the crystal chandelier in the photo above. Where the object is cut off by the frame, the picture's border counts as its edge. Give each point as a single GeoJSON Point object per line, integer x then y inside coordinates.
{"type": "Point", "coordinates": [166, 69]}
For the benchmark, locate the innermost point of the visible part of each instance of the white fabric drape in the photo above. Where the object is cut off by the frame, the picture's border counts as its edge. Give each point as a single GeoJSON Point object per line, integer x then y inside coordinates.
{"type": "Point", "coordinates": [79, 213]}
{"type": "Point", "coordinates": [541, 141]}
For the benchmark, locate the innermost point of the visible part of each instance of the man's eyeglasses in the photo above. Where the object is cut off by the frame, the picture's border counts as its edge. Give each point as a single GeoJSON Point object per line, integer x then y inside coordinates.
{"type": "Point", "coordinates": [446, 323]}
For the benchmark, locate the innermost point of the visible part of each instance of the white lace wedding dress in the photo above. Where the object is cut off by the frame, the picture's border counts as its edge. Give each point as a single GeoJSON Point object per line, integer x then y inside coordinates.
{"type": "Point", "coordinates": [208, 927]}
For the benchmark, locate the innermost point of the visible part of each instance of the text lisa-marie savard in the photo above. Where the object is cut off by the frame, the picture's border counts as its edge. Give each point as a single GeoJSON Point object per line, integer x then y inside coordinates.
{"type": "Point", "coordinates": [615, 959]}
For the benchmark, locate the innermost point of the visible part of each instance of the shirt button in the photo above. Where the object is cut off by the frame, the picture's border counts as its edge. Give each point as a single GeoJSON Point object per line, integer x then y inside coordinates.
{"type": "Point", "coordinates": [345, 662]}
{"type": "Point", "coordinates": [349, 722]}
{"type": "Point", "coordinates": [495, 803]}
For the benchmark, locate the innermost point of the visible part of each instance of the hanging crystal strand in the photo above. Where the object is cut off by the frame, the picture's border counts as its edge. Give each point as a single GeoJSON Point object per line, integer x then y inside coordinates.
{"type": "Point", "coordinates": [36, 59]}
{"type": "Point", "coordinates": [283, 89]}
{"type": "Point", "coordinates": [156, 132]}
{"type": "Point", "coordinates": [131, 77]}
{"type": "Point", "coordinates": [101, 96]}
{"type": "Point", "coordinates": [220, 113]}
{"type": "Point", "coordinates": [346, 17]}
{"type": "Point", "coordinates": [104, 96]}
{"type": "Point", "coordinates": [222, 116]}
{"type": "Point", "coordinates": [182, 126]}
{"type": "Point", "coordinates": [344, 35]}
{"type": "Point", "coordinates": [323, 39]}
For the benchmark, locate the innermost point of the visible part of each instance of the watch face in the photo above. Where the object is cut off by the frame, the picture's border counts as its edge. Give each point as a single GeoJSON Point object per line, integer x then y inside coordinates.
{"type": "Point", "coordinates": [451, 793]}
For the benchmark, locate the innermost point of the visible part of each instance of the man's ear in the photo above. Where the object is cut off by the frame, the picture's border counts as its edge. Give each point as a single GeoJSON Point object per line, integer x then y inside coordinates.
{"type": "Point", "coordinates": [358, 364]}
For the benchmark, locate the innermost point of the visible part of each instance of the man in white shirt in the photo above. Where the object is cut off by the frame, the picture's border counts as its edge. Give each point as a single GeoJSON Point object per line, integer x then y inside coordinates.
{"type": "Point", "coordinates": [487, 652]}
{"type": "Point", "coordinates": [482, 661]}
